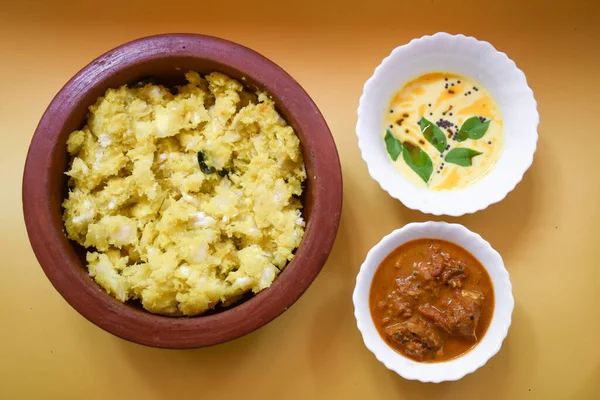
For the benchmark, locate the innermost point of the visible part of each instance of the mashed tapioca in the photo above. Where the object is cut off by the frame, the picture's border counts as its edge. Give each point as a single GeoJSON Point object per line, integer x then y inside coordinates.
{"type": "Point", "coordinates": [185, 200]}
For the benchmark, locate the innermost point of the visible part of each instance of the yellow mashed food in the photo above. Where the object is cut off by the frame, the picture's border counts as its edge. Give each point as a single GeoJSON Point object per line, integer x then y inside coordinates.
{"type": "Point", "coordinates": [185, 201]}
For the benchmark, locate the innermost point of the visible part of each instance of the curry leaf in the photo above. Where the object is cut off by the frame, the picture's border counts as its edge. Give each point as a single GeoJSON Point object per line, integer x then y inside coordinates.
{"type": "Point", "coordinates": [393, 145]}
{"type": "Point", "coordinates": [418, 160]}
{"type": "Point", "coordinates": [473, 128]}
{"type": "Point", "coordinates": [433, 134]}
{"type": "Point", "coordinates": [461, 156]}
{"type": "Point", "coordinates": [205, 168]}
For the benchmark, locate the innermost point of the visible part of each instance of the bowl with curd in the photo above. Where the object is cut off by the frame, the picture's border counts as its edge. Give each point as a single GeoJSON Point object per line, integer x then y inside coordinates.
{"type": "Point", "coordinates": [447, 124]}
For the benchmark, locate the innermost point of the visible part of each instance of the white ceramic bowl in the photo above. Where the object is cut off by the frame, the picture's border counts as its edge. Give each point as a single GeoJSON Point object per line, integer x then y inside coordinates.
{"type": "Point", "coordinates": [471, 57]}
{"type": "Point", "coordinates": [492, 340]}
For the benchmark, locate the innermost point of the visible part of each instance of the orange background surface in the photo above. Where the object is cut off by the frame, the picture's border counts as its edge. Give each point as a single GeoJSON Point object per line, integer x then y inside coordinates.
{"type": "Point", "coordinates": [546, 230]}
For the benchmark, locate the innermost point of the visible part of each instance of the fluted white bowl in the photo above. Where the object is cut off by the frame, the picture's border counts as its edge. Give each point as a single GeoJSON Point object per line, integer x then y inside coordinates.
{"type": "Point", "coordinates": [488, 345]}
{"type": "Point", "coordinates": [470, 57]}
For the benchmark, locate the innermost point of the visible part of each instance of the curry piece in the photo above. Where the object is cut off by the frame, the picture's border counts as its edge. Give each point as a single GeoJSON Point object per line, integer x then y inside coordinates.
{"type": "Point", "coordinates": [416, 337]}
{"type": "Point", "coordinates": [431, 300]}
{"type": "Point", "coordinates": [458, 315]}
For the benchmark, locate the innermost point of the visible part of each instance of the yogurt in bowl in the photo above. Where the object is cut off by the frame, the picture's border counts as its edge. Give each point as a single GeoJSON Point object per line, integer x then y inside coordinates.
{"type": "Point", "coordinates": [447, 124]}
{"type": "Point", "coordinates": [420, 339]}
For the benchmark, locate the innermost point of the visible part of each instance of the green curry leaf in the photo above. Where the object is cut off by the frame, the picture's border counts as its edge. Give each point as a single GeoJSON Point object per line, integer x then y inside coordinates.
{"type": "Point", "coordinates": [203, 167]}
{"type": "Point", "coordinates": [418, 160]}
{"type": "Point", "coordinates": [461, 156]}
{"type": "Point", "coordinates": [433, 134]}
{"type": "Point", "coordinates": [392, 145]}
{"type": "Point", "coordinates": [473, 128]}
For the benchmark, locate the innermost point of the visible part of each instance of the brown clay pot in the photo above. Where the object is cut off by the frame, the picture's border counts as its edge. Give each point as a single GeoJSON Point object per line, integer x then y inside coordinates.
{"type": "Point", "coordinates": [167, 58]}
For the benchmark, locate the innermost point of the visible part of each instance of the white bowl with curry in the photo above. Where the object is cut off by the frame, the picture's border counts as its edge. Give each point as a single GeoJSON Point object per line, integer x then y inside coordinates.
{"type": "Point", "coordinates": [447, 124]}
{"type": "Point", "coordinates": [433, 301]}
